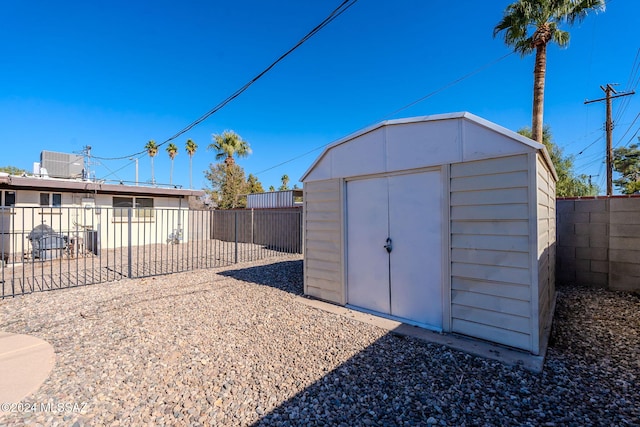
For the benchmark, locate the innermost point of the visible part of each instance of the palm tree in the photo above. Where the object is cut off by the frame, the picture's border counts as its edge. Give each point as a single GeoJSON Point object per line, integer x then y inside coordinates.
{"type": "Point", "coordinates": [544, 18]}
{"type": "Point", "coordinates": [569, 183]}
{"type": "Point", "coordinates": [285, 182]}
{"type": "Point", "coordinates": [229, 144]}
{"type": "Point", "coordinates": [191, 148]}
{"type": "Point", "coordinates": [172, 149]}
{"type": "Point", "coordinates": [152, 150]}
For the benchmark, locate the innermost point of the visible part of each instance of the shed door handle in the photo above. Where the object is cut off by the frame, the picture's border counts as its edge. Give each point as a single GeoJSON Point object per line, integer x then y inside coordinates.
{"type": "Point", "coordinates": [388, 246]}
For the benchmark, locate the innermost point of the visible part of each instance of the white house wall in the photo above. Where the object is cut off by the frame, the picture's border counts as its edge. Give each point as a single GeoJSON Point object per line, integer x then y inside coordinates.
{"type": "Point", "coordinates": [114, 232]}
{"type": "Point", "coordinates": [73, 219]}
{"type": "Point", "coordinates": [490, 259]}
{"type": "Point", "coordinates": [323, 211]}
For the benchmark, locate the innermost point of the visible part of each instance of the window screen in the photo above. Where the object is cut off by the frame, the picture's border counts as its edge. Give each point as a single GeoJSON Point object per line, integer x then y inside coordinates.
{"type": "Point", "coordinates": [144, 207]}
{"type": "Point", "coordinates": [9, 198]}
{"type": "Point", "coordinates": [121, 206]}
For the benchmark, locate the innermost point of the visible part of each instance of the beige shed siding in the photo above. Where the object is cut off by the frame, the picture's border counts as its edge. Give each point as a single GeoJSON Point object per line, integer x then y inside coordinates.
{"type": "Point", "coordinates": [546, 200]}
{"type": "Point", "coordinates": [490, 255]}
{"type": "Point", "coordinates": [323, 277]}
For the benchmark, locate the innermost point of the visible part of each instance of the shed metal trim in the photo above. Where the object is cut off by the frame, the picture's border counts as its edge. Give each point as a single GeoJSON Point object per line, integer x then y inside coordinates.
{"type": "Point", "coordinates": [445, 172]}
{"type": "Point", "coordinates": [534, 301]}
{"type": "Point", "coordinates": [438, 117]}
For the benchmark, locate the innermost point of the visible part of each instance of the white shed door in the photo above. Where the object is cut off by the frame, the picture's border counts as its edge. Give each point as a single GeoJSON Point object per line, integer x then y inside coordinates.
{"type": "Point", "coordinates": [367, 260]}
{"type": "Point", "coordinates": [407, 282]}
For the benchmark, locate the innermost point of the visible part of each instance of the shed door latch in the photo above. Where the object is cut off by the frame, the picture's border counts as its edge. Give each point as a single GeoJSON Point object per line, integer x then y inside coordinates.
{"type": "Point", "coordinates": [388, 246]}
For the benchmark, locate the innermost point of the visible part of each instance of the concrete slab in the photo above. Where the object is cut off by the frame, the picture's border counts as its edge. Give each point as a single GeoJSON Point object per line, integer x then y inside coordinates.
{"type": "Point", "coordinates": [484, 349]}
{"type": "Point", "coordinates": [25, 362]}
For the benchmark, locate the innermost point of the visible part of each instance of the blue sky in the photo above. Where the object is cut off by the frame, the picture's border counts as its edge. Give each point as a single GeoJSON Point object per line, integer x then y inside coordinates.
{"type": "Point", "coordinates": [116, 74]}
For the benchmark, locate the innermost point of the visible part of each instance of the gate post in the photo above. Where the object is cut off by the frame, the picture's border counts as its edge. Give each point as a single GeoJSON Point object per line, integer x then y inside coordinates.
{"type": "Point", "coordinates": [130, 235]}
{"type": "Point", "coordinates": [235, 233]}
{"type": "Point", "coordinates": [301, 231]}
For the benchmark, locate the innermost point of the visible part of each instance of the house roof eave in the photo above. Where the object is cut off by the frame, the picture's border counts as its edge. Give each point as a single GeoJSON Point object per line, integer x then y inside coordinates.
{"type": "Point", "coordinates": [78, 186]}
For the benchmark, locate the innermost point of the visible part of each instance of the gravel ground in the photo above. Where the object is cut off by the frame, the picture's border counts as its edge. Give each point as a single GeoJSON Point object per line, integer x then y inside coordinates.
{"type": "Point", "coordinates": [234, 347]}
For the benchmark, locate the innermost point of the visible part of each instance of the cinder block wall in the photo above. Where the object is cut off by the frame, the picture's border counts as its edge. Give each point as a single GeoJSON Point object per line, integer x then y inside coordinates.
{"type": "Point", "coordinates": [599, 242]}
{"type": "Point", "coordinates": [624, 244]}
{"type": "Point", "coordinates": [582, 242]}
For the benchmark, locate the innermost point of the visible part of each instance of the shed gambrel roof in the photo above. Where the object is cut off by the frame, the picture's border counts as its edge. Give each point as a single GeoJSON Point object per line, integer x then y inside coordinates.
{"type": "Point", "coordinates": [418, 142]}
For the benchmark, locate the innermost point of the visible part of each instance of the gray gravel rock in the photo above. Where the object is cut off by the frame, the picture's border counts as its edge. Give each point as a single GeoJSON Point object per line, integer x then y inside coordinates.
{"type": "Point", "coordinates": [235, 347]}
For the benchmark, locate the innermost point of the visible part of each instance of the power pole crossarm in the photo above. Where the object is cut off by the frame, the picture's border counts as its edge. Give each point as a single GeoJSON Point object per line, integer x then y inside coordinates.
{"type": "Point", "coordinates": [617, 95]}
{"type": "Point", "coordinates": [610, 94]}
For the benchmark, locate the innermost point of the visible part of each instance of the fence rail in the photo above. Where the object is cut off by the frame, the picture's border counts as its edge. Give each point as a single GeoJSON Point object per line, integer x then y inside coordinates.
{"type": "Point", "coordinates": [53, 248]}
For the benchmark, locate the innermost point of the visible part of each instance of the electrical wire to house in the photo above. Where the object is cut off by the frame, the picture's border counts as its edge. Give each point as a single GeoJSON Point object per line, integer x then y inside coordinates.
{"type": "Point", "coordinates": [633, 81]}
{"type": "Point", "coordinates": [581, 138]}
{"type": "Point", "coordinates": [590, 145]}
{"type": "Point", "coordinates": [343, 7]}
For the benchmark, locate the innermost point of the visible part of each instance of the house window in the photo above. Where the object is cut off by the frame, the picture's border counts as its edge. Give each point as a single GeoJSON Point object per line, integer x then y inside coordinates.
{"type": "Point", "coordinates": [51, 200]}
{"type": "Point", "coordinates": [143, 207]}
{"type": "Point", "coordinates": [8, 198]}
{"type": "Point", "coordinates": [121, 206]}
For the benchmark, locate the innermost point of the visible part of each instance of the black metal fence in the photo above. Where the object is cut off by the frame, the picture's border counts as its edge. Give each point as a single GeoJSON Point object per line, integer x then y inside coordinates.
{"type": "Point", "coordinates": [53, 248]}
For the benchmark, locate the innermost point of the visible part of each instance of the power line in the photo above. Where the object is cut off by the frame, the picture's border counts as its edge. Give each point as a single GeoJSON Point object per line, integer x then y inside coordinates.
{"type": "Point", "coordinates": [632, 137]}
{"type": "Point", "coordinates": [346, 4]}
{"type": "Point", "coordinates": [585, 148]}
{"type": "Point", "coordinates": [631, 85]}
{"type": "Point", "coordinates": [627, 131]}
{"type": "Point", "coordinates": [448, 85]}
{"type": "Point", "coordinates": [610, 94]}
{"type": "Point", "coordinates": [589, 159]}
{"type": "Point", "coordinates": [294, 158]}
{"type": "Point", "coordinates": [601, 175]}
{"type": "Point", "coordinates": [588, 164]}
{"type": "Point", "coordinates": [580, 138]}
{"type": "Point", "coordinates": [429, 95]}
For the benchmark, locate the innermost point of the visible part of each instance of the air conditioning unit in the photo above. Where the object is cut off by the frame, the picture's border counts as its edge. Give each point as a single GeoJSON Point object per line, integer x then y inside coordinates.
{"type": "Point", "coordinates": [62, 165]}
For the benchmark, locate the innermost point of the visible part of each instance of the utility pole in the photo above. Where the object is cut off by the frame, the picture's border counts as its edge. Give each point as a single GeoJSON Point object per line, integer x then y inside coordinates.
{"type": "Point", "coordinates": [86, 154]}
{"type": "Point", "coordinates": [610, 93]}
{"type": "Point", "coordinates": [136, 159]}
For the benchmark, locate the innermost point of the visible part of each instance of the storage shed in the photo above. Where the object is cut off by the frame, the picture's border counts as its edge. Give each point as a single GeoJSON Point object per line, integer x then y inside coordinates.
{"type": "Point", "coordinates": [445, 222]}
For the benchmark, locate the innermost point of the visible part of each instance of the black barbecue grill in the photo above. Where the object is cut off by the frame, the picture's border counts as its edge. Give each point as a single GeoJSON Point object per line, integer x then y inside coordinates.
{"type": "Point", "coordinates": [46, 243]}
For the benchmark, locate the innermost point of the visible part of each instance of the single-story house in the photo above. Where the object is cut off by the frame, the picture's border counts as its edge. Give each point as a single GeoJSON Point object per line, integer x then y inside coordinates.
{"type": "Point", "coordinates": [75, 207]}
